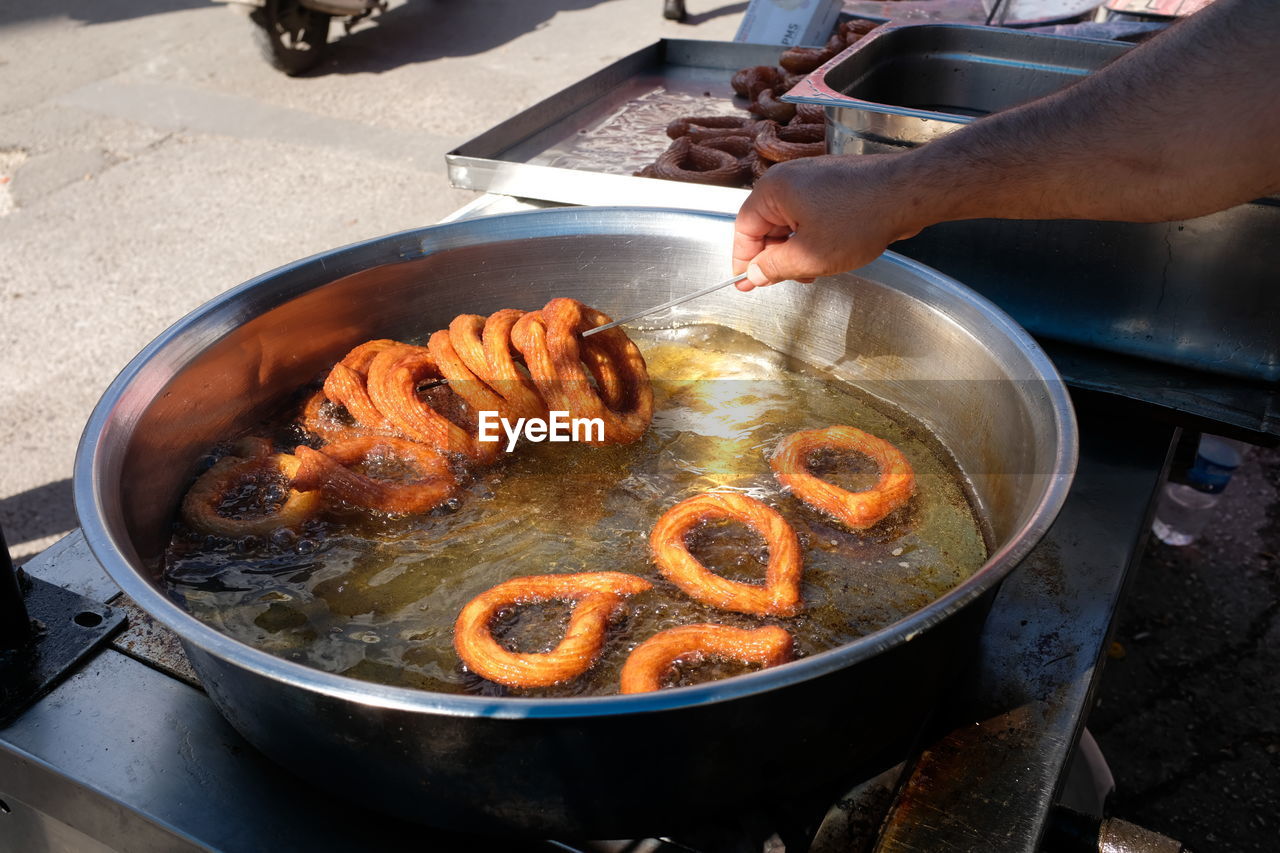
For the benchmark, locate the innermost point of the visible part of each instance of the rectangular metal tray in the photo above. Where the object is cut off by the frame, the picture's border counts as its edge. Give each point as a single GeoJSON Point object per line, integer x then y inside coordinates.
{"type": "Point", "coordinates": [581, 145]}
{"type": "Point", "coordinates": [902, 86]}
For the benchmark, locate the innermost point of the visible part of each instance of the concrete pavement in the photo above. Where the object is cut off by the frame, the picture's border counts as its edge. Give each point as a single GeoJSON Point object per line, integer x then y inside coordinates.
{"type": "Point", "coordinates": [150, 159]}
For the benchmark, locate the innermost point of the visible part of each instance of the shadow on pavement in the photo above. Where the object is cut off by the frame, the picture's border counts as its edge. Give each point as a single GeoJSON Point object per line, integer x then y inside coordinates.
{"type": "Point", "coordinates": [39, 512]}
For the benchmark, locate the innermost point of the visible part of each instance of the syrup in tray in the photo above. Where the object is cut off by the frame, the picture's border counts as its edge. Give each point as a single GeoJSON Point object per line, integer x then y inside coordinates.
{"type": "Point", "coordinates": [376, 598]}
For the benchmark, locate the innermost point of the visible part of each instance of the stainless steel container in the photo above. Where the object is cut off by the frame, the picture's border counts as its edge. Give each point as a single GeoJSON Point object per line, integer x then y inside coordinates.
{"type": "Point", "coordinates": [903, 86]}
{"type": "Point", "coordinates": [606, 766]}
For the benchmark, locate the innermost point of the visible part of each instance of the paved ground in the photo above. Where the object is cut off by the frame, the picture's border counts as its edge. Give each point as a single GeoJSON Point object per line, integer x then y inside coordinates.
{"type": "Point", "coordinates": [150, 160]}
{"type": "Point", "coordinates": [1188, 714]}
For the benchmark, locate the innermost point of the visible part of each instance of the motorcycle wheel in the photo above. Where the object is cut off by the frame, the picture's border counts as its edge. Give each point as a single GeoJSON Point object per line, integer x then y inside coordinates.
{"type": "Point", "coordinates": [291, 37]}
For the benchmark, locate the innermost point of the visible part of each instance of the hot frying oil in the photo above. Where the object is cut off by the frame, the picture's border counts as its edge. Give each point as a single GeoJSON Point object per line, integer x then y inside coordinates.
{"type": "Point", "coordinates": [376, 598]}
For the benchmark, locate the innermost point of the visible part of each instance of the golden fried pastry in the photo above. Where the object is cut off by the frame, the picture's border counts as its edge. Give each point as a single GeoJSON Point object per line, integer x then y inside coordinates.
{"type": "Point", "coordinates": [856, 510]}
{"type": "Point", "coordinates": [780, 594]}
{"type": "Point", "coordinates": [595, 596]}
{"type": "Point", "coordinates": [650, 661]}
{"type": "Point", "coordinates": [428, 484]}
{"type": "Point", "coordinates": [394, 376]}
{"type": "Point", "coordinates": [555, 354]}
{"type": "Point", "coordinates": [248, 496]}
{"type": "Point", "coordinates": [484, 345]}
{"type": "Point", "coordinates": [347, 384]}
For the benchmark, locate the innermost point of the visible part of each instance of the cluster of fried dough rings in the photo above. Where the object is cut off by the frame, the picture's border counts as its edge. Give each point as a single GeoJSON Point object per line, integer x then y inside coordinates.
{"type": "Point", "coordinates": [597, 596]}
{"type": "Point", "coordinates": [734, 151]}
{"type": "Point", "coordinates": [391, 405]}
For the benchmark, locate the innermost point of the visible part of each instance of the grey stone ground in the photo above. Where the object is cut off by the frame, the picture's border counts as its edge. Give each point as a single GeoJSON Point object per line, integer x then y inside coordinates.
{"type": "Point", "coordinates": [149, 160]}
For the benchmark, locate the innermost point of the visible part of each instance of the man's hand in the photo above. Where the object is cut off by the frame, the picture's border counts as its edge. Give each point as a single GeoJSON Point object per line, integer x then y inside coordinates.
{"type": "Point", "coordinates": [1104, 148]}
{"type": "Point", "coordinates": [818, 216]}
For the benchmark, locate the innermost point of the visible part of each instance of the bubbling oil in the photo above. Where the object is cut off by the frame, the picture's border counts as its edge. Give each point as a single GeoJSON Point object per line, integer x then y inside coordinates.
{"type": "Point", "coordinates": [376, 598]}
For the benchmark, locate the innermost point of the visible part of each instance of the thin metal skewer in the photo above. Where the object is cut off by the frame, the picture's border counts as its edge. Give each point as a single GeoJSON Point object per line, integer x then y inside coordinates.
{"type": "Point", "coordinates": [664, 306]}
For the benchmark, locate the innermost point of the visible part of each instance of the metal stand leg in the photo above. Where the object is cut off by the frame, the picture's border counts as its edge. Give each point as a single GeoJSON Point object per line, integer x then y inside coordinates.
{"type": "Point", "coordinates": [45, 633]}
{"type": "Point", "coordinates": [15, 624]}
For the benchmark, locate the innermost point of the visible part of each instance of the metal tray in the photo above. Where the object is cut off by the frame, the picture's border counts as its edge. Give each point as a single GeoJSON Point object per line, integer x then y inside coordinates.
{"type": "Point", "coordinates": [902, 86]}
{"type": "Point", "coordinates": [581, 145]}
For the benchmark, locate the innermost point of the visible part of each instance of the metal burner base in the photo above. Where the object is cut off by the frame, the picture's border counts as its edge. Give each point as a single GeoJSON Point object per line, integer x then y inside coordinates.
{"type": "Point", "coordinates": [68, 628]}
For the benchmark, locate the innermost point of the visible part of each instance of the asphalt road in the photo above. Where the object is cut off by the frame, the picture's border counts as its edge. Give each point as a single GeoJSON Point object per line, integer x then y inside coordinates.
{"type": "Point", "coordinates": [150, 159]}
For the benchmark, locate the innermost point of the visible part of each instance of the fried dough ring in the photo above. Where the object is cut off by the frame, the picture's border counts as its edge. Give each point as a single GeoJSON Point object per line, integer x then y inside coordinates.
{"type": "Point", "coordinates": [802, 60]}
{"type": "Point", "coordinates": [595, 596]}
{"type": "Point", "coordinates": [650, 661]}
{"type": "Point", "coordinates": [780, 595]}
{"type": "Point", "coordinates": [315, 421]}
{"type": "Point", "coordinates": [703, 135]}
{"type": "Point", "coordinates": [330, 470]}
{"type": "Point", "coordinates": [462, 381]}
{"type": "Point", "coordinates": [347, 384]}
{"type": "Point", "coordinates": [810, 114]}
{"type": "Point", "coordinates": [738, 146]}
{"type": "Point", "coordinates": [484, 345]}
{"type": "Point", "coordinates": [792, 142]}
{"type": "Point", "coordinates": [749, 81]}
{"type": "Point", "coordinates": [766, 104]}
{"type": "Point", "coordinates": [686, 161]}
{"type": "Point", "coordinates": [856, 510]}
{"type": "Point", "coordinates": [555, 354]}
{"type": "Point", "coordinates": [200, 506]}
{"type": "Point", "coordinates": [393, 386]}
{"type": "Point", "coordinates": [757, 164]}
{"type": "Point", "coordinates": [683, 126]}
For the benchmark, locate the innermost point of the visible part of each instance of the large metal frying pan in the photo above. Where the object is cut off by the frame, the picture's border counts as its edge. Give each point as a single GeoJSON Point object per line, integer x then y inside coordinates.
{"type": "Point", "coordinates": [606, 766]}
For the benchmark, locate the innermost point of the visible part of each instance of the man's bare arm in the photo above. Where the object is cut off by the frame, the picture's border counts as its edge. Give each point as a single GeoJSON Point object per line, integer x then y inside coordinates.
{"type": "Point", "coordinates": [1182, 126]}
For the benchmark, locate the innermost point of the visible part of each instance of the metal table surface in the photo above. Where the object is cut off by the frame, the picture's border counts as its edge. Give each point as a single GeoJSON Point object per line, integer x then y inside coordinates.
{"type": "Point", "coordinates": [124, 756]}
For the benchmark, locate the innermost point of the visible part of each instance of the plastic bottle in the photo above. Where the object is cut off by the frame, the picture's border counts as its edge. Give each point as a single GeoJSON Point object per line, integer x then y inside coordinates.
{"type": "Point", "coordinates": [1185, 508]}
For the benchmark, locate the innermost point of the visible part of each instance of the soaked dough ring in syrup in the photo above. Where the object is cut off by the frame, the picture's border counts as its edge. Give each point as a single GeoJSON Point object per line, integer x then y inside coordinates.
{"type": "Point", "coordinates": [802, 60]}
{"type": "Point", "coordinates": [683, 126]}
{"type": "Point", "coordinates": [791, 142]}
{"type": "Point", "coordinates": [780, 594]}
{"type": "Point", "coordinates": [749, 81]}
{"type": "Point", "coordinates": [856, 510]}
{"type": "Point", "coordinates": [595, 596]}
{"type": "Point", "coordinates": [738, 146]}
{"type": "Point", "coordinates": [686, 161]}
{"type": "Point", "coordinates": [703, 135]}
{"type": "Point", "coordinates": [810, 114]}
{"type": "Point", "coordinates": [766, 104]}
{"type": "Point", "coordinates": [331, 472]}
{"type": "Point", "coordinates": [555, 353]}
{"type": "Point", "coordinates": [202, 503]}
{"type": "Point", "coordinates": [650, 661]}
